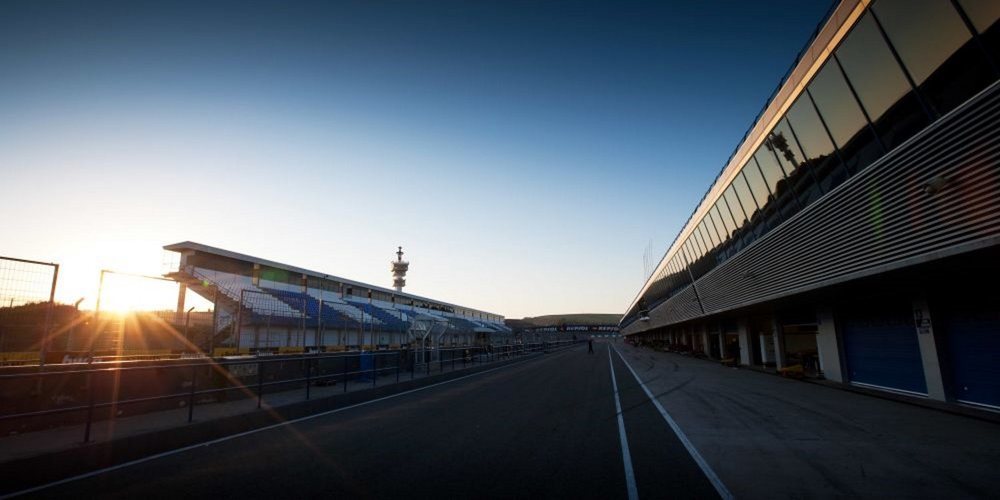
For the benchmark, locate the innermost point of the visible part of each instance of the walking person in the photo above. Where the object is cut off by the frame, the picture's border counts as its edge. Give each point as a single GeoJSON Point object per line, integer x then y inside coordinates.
{"type": "Point", "coordinates": [590, 345]}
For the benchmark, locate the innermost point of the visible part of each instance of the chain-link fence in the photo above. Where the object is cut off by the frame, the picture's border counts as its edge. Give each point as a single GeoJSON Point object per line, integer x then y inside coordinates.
{"type": "Point", "coordinates": [27, 310]}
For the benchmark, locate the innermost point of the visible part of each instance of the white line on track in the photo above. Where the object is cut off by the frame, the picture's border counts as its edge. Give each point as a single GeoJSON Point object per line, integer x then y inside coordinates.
{"type": "Point", "coordinates": [633, 492]}
{"type": "Point", "coordinates": [709, 473]}
{"type": "Point", "coordinates": [254, 431]}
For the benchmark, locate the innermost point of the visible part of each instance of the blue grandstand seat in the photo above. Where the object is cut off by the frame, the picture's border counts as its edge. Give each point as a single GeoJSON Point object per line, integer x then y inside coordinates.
{"type": "Point", "coordinates": [331, 318]}
{"type": "Point", "coordinates": [390, 320]}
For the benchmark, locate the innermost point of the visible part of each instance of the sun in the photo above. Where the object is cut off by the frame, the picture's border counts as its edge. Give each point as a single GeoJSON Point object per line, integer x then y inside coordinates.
{"type": "Point", "coordinates": [122, 292]}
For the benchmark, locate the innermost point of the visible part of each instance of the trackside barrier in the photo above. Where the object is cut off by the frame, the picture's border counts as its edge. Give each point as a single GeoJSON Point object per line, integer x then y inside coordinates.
{"type": "Point", "coordinates": [95, 393]}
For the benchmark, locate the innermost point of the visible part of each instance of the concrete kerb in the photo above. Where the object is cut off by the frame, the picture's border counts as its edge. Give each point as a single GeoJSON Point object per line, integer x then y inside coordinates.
{"type": "Point", "coordinates": [40, 469]}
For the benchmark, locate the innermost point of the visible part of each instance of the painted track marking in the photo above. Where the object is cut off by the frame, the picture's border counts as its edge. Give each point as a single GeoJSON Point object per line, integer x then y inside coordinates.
{"type": "Point", "coordinates": [705, 468]}
{"type": "Point", "coordinates": [633, 492]}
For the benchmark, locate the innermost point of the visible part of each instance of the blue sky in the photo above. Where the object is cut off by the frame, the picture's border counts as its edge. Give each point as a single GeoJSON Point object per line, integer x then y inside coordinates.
{"type": "Point", "coordinates": [524, 153]}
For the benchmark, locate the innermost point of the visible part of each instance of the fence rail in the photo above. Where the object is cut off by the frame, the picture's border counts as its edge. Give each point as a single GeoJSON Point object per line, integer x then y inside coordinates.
{"type": "Point", "coordinates": [102, 393]}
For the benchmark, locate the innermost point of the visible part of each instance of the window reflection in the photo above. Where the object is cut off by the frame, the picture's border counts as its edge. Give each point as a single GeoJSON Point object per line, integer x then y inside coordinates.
{"type": "Point", "coordinates": [984, 15]}
{"type": "Point", "coordinates": [735, 207]}
{"type": "Point", "coordinates": [937, 49]}
{"type": "Point", "coordinates": [749, 207]}
{"type": "Point", "coordinates": [720, 227]}
{"type": "Point", "coordinates": [746, 197]}
{"type": "Point", "coordinates": [708, 236]}
{"type": "Point", "coordinates": [819, 162]}
{"type": "Point", "coordinates": [722, 208]}
{"type": "Point", "coordinates": [880, 84]}
{"type": "Point", "coordinates": [739, 216]}
{"type": "Point", "coordinates": [771, 215]}
{"type": "Point", "coordinates": [767, 159]}
{"type": "Point", "coordinates": [710, 229]}
{"type": "Point", "coordinates": [845, 121]}
{"type": "Point", "coordinates": [699, 246]}
{"type": "Point", "coordinates": [758, 188]}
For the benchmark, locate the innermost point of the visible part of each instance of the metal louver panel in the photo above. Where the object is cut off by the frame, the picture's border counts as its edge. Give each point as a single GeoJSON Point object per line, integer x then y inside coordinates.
{"type": "Point", "coordinates": [880, 219]}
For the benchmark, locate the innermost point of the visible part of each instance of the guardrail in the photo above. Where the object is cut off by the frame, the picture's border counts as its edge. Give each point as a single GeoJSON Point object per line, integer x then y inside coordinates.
{"type": "Point", "coordinates": [58, 397]}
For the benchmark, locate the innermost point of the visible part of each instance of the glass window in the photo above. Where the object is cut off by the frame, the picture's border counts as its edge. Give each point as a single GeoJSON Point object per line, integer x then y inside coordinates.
{"type": "Point", "coordinates": [773, 171]}
{"type": "Point", "coordinates": [746, 198]}
{"type": "Point", "coordinates": [710, 228]}
{"type": "Point", "coordinates": [691, 250]}
{"type": "Point", "coordinates": [984, 15]}
{"type": "Point", "coordinates": [717, 222]}
{"type": "Point", "coordinates": [758, 187]}
{"type": "Point", "coordinates": [711, 232]}
{"type": "Point", "coordinates": [699, 246]}
{"type": "Point", "coordinates": [734, 206]}
{"type": "Point", "coordinates": [937, 49]}
{"type": "Point", "coordinates": [772, 207]}
{"type": "Point", "coordinates": [687, 253]}
{"type": "Point", "coordinates": [705, 243]}
{"type": "Point", "coordinates": [844, 119]}
{"type": "Point", "coordinates": [784, 146]}
{"type": "Point", "coordinates": [880, 84]}
{"type": "Point", "coordinates": [706, 234]}
{"type": "Point", "coordinates": [722, 209]}
{"type": "Point", "coordinates": [820, 161]}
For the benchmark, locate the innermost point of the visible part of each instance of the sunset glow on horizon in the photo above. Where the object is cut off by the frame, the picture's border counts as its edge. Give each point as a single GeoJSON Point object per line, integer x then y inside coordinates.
{"type": "Point", "coordinates": [523, 157]}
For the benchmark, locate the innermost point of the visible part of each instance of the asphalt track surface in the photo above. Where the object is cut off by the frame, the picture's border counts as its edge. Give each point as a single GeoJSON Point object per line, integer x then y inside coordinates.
{"type": "Point", "coordinates": [544, 428]}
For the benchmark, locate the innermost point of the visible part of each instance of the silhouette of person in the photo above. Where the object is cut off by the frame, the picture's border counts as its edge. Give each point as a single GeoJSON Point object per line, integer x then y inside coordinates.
{"type": "Point", "coordinates": [590, 346]}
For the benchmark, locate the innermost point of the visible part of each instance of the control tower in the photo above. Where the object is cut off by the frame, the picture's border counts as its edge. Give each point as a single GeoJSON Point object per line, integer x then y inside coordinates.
{"type": "Point", "coordinates": [399, 268]}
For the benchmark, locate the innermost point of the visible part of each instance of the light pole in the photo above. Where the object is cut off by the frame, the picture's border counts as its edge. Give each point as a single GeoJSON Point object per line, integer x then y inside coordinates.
{"type": "Point", "coordinates": [72, 330]}
{"type": "Point", "coordinates": [187, 322]}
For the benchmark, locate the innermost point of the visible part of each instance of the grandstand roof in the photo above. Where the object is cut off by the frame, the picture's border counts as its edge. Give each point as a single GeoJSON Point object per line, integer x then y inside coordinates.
{"type": "Point", "coordinates": [198, 247]}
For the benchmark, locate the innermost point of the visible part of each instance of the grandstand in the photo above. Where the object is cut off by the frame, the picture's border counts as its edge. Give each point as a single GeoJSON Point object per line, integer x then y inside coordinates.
{"type": "Point", "coordinates": [266, 306]}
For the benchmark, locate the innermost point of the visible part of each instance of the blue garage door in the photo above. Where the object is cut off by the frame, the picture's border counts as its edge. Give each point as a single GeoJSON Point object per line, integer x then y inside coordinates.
{"type": "Point", "coordinates": [882, 350]}
{"type": "Point", "coordinates": [974, 357]}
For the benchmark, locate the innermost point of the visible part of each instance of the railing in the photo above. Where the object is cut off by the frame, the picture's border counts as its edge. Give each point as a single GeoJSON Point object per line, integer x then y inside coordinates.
{"type": "Point", "coordinates": [188, 383]}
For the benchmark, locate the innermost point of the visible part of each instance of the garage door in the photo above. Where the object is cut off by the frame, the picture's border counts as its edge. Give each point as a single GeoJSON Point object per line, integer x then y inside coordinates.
{"type": "Point", "coordinates": [882, 350]}
{"type": "Point", "coordinates": [974, 356]}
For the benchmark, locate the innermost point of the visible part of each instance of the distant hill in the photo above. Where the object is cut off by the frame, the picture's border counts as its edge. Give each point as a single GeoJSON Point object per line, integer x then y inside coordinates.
{"type": "Point", "coordinates": [564, 319]}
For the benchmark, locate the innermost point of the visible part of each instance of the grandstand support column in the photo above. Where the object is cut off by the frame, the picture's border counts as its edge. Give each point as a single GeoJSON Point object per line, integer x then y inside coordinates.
{"type": "Point", "coordinates": [181, 295]}
{"type": "Point", "coordinates": [778, 337]}
{"type": "Point", "coordinates": [744, 334]}
{"type": "Point", "coordinates": [928, 349]}
{"type": "Point", "coordinates": [706, 344]}
{"type": "Point", "coordinates": [827, 346]}
{"type": "Point", "coordinates": [320, 334]}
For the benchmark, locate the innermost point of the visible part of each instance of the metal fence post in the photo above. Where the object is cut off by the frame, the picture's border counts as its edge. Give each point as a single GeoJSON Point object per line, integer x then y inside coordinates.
{"type": "Point", "coordinates": [239, 321]}
{"type": "Point", "coordinates": [90, 406]}
{"type": "Point", "coordinates": [194, 381]}
{"type": "Point", "coordinates": [308, 376]}
{"type": "Point", "coordinates": [260, 382]}
{"type": "Point", "coordinates": [48, 317]}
